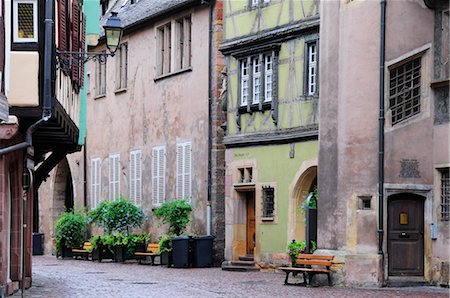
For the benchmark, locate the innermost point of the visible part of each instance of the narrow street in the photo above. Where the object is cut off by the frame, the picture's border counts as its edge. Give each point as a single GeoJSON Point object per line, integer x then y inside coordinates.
{"type": "Point", "coordinates": [76, 278]}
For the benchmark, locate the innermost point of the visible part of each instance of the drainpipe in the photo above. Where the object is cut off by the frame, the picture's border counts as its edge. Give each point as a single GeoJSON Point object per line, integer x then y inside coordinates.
{"type": "Point", "coordinates": [84, 173]}
{"type": "Point", "coordinates": [210, 101]}
{"type": "Point", "coordinates": [381, 131]}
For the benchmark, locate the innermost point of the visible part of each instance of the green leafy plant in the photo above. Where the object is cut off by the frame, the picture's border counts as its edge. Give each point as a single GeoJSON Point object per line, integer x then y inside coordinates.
{"type": "Point", "coordinates": [117, 216]}
{"type": "Point", "coordinates": [296, 248]}
{"type": "Point", "coordinates": [70, 230]}
{"type": "Point", "coordinates": [176, 213]}
{"type": "Point", "coordinates": [165, 244]}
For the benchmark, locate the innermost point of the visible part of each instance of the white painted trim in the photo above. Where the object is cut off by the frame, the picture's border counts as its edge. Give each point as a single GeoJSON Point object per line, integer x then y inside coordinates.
{"type": "Point", "coordinates": [16, 24]}
{"type": "Point", "coordinates": [408, 55]}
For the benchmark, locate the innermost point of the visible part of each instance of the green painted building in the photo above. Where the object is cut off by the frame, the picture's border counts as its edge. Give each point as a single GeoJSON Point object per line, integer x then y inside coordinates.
{"type": "Point", "coordinates": [272, 92]}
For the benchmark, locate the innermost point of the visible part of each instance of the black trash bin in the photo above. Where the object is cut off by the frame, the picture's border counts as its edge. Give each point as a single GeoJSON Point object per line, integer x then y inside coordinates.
{"type": "Point", "coordinates": [202, 254]}
{"type": "Point", "coordinates": [38, 244]}
{"type": "Point", "coordinates": [180, 252]}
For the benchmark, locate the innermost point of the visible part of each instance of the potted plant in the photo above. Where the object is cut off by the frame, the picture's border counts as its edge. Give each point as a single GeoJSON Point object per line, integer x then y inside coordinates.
{"type": "Point", "coordinates": [165, 249]}
{"type": "Point", "coordinates": [296, 248]}
{"type": "Point", "coordinates": [70, 231]}
{"type": "Point", "coordinates": [137, 243]}
{"type": "Point", "coordinates": [117, 218]}
{"type": "Point", "coordinates": [177, 214]}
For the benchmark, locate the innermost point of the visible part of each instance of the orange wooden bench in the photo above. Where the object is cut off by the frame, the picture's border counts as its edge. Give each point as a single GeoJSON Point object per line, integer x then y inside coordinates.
{"type": "Point", "coordinates": [152, 251]}
{"type": "Point", "coordinates": [309, 265]}
{"type": "Point", "coordinates": [85, 251]}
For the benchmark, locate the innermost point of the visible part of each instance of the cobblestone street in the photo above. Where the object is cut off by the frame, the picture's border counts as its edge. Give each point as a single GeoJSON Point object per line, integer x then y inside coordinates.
{"type": "Point", "coordinates": [76, 278]}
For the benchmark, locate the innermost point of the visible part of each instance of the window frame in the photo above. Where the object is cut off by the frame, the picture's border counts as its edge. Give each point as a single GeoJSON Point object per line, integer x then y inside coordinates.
{"type": "Point", "coordinates": [184, 171]}
{"type": "Point", "coordinates": [309, 41]}
{"type": "Point", "coordinates": [405, 102]}
{"type": "Point", "coordinates": [262, 102]}
{"type": "Point", "coordinates": [174, 47]}
{"type": "Point", "coordinates": [100, 81]}
{"type": "Point", "coordinates": [136, 176]}
{"type": "Point", "coordinates": [444, 189]}
{"type": "Point", "coordinates": [16, 38]}
{"type": "Point", "coordinates": [121, 58]}
{"type": "Point", "coordinates": [265, 216]}
{"type": "Point", "coordinates": [114, 176]}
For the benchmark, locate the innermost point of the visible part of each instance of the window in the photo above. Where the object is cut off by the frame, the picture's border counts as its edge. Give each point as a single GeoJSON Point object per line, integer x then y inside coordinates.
{"type": "Point", "coordinates": [158, 175]}
{"type": "Point", "coordinates": [445, 194]}
{"type": "Point", "coordinates": [114, 176]}
{"type": "Point", "coordinates": [88, 83]}
{"type": "Point", "coordinates": [121, 66]}
{"type": "Point", "coordinates": [136, 176]}
{"type": "Point", "coordinates": [174, 47]}
{"type": "Point", "coordinates": [404, 90]}
{"type": "Point", "coordinates": [184, 170]}
{"type": "Point", "coordinates": [258, 2]}
{"type": "Point", "coordinates": [312, 68]}
{"type": "Point", "coordinates": [256, 71]}
{"type": "Point", "coordinates": [100, 69]}
{"type": "Point", "coordinates": [268, 202]}
{"type": "Point", "coordinates": [25, 21]}
{"type": "Point", "coordinates": [95, 182]}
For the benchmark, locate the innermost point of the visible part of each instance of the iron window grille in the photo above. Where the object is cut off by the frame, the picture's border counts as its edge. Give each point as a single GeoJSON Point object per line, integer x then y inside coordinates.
{"type": "Point", "coordinates": [268, 202]}
{"type": "Point", "coordinates": [404, 90]}
{"type": "Point", "coordinates": [445, 195]}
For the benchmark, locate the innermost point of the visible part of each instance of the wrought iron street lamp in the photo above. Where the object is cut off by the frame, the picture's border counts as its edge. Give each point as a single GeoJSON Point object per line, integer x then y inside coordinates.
{"type": "Point", "coordinates": [113, 34]}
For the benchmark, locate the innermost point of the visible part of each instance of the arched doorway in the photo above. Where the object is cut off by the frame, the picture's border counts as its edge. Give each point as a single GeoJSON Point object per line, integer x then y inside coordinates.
{"type": "Point", "coordinates": [406, 234]}
{"type": "Point", "coordinates": [304, 183]}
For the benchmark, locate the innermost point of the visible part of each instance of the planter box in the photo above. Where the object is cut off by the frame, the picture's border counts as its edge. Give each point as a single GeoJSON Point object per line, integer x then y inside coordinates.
{"type": "Point", "coordinates": [102, 252]}
{"type": "Point", "coordinates": [166, 258]}
{"type": "Point", "coordinates": [66, 252]}
{"type": "Point", "coordinates": [120, 253]}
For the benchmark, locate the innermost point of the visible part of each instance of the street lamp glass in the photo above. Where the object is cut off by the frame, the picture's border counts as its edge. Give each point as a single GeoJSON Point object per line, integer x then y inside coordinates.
{"type": "Point", "coordinates": [113, 32]}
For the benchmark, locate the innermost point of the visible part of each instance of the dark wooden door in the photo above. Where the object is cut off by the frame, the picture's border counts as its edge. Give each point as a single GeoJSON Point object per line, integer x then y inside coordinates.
{"type": "Point", "coordinates": [251, 222]}
{"type": "Point", "coordinates": [405, 234]}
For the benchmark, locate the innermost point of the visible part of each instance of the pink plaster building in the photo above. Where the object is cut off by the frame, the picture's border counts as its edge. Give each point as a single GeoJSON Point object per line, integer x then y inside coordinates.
{"type": "Point", "coordinates": [384, 186]}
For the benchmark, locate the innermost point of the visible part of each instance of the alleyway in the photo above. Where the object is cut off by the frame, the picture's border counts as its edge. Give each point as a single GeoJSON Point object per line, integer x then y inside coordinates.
{"type": "Point", "coordinates": [76, 278]}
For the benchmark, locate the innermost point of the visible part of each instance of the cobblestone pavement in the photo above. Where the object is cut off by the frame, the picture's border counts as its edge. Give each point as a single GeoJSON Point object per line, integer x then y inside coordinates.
{"type": "Point", "coordinates": [77, 278]}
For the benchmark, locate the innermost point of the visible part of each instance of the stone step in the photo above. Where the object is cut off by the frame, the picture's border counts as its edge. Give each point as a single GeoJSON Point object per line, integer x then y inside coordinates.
{"type": "Point", "coordinates": [246, 258]}
{"type": "Point", "coordinates": [243, 263]}
{"type": "Point", "coordinates": [239, 268]}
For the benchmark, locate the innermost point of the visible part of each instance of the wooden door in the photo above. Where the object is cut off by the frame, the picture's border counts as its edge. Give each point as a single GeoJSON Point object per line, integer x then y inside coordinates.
{"type": "Point", "coordinates": [405, 234]}
{"type": "Point", "coordinates": [251, 222]}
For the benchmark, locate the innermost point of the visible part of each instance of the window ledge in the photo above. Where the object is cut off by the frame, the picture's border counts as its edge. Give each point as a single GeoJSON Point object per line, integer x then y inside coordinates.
{"type": "Point", "coordinates": [255, 107]}
{"type": "Point", "coordinates": [244, 186]}
{"type": "Point", "coordinates": [121, 90]}
{"type": "Point", "coordinates": [99, 96]}
{"type": "Point", "coordinates": [167, 75]}
{"type": "Point", "coordinates": [268, 218]}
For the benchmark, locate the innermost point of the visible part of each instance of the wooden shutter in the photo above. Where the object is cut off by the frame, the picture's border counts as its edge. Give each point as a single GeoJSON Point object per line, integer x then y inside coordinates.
{"type": "Point", "coordinates": [155, 177]}
{"type": "Point", "coordinates": [116, 177]}
{"type": "Point", "coordinates": [62, 25]}
{"type": "Point", "coordinates": [93, 184]}
{"type": "Point", "coordinates": [133, 176]}
{"type": "Point", "coordinates": [75, 40]}
{"type": "Point", "coordinates": [82, 48]}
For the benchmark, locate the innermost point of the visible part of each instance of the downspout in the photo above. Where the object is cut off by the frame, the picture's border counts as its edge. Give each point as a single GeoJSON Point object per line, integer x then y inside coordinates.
{"type": "Point", "coordinates": [46, 114]}
{"type": "Point", "coordinates": [381, 131]}
{"type": "Point", "coordinates": [210, 100]}
{"type": "Point", "coordinates": [84, 174]}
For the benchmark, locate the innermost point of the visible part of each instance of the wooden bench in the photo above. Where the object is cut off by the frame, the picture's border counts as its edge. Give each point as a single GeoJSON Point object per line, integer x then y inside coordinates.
{"type": "Point", "coordinates": [85, 251]}
{"type": "Point", "coordinates": [152, 251]}
{"type": "Point", "coordinates": [309, 265]}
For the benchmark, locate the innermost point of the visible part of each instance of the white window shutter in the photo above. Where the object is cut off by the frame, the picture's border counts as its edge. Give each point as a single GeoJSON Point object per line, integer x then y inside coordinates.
{"type": "Point", "coordinates": [155, 176]}
{"type": "Point", "coordinates": [161, 175]}
{"type": "Point", "coordinates": [117, 191]}
{"type": "Point", "coordinates": [93, 184]}
{"type": "Point", "coordinates": [138, 178]}
{"type": "Point", "coordinates": [179, 190]}
{"type": "Point", "coordinates": [187, 171]}
{"type": "Point", "coordinates": [133, 176]}
{"type": "Point", "coordinates": [111, 177]}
